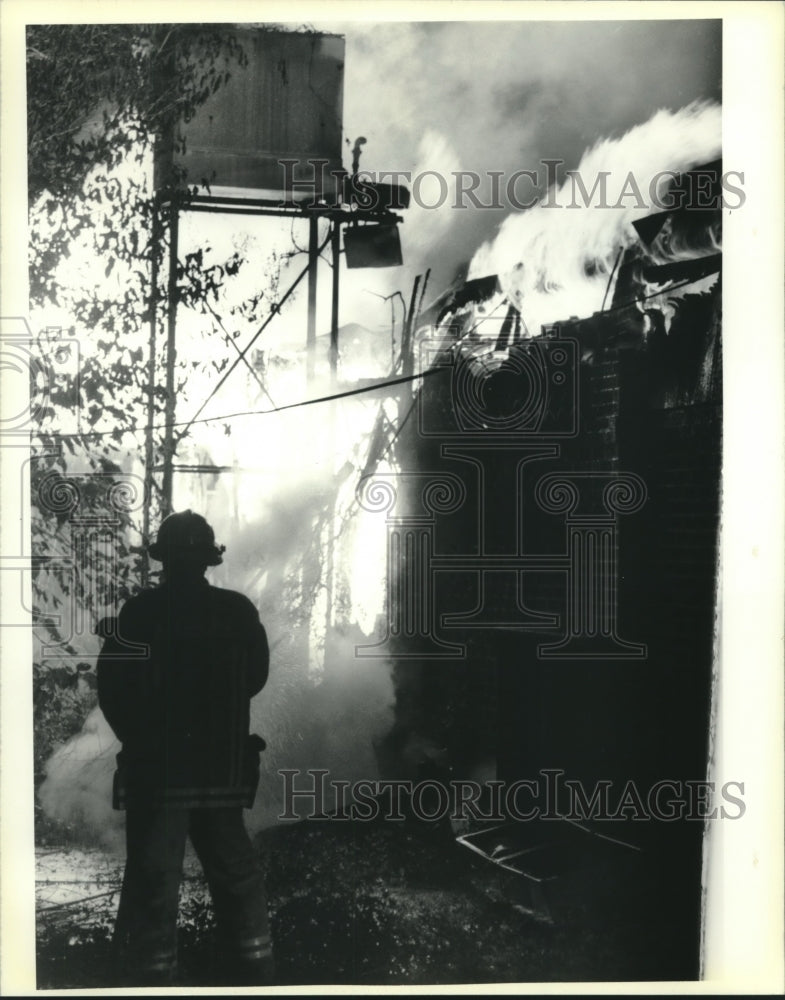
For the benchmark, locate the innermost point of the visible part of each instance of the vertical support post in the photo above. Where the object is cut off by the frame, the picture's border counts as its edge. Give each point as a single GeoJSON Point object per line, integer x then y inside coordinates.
{"type": "Point", "coordinates": [407, 354]}
{"type": "Point", "coordinates": [236, 489]}
{"type": "Point", "coordinates": [330, 540]}
{"type": "Point", "coordinates": [335, 245]}
{"type": "Point", "coordinates": [149, 444]}
{"type": "Point", "coordinates": [171, 357]}
{"type": "Point", "coordinates": [407, 351]}
{"type": "Point", "coordinates": [313, 260]}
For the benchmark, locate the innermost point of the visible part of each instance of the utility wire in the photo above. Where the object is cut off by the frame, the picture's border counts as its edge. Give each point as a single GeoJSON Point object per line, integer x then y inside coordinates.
{"type": "Point", "coordinates": [610, 279]}
{"type": "Point", "coordinates": [388, 447]}
{"type": "Point", "coordinates": [273, 313]}
{"type": "Point", "coordinates": [260, 413]}
{"type": "Point", "coordinates": [339, 395]}
{"type": "Point", "coordinates": [654, 295]}
{"type": "Point", "coordinates": [230, 340]}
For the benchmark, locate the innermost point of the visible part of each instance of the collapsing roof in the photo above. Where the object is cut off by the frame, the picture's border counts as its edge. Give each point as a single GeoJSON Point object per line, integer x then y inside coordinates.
{"type": "Point", "coordinates": [677, 252]}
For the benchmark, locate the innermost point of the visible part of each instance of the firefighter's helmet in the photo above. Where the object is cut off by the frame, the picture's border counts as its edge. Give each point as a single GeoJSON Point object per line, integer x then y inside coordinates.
{"type": "Point", "coordinates": [186, 535]}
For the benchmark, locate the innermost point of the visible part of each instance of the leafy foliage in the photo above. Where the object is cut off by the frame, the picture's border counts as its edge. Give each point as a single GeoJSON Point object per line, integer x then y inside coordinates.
{"type": "Point", "coordinates": [100, 97]}
{"type": "Point", "coordinates": [101, 100]}
{"type": "Point", "coordinates": [97, 90]}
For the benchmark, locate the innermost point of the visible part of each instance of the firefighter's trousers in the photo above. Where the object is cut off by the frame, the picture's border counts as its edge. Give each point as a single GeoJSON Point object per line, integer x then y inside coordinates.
{"type": "Point", "coordinates": [147, 916]}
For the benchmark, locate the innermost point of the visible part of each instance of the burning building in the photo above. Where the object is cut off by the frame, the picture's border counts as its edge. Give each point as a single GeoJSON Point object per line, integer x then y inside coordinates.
{"type": "Point", "coordinates": [553, 547]}
{"type": "Point", "coordinates": [549, 504]}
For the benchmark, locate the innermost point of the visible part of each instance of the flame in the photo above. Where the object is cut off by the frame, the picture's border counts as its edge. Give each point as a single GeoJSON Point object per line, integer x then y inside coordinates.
{"type": "Point", "coordinates": [554, 260]}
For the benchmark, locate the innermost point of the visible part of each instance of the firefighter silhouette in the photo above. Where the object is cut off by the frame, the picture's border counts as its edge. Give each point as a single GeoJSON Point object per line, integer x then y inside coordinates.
{"type": "Point", "coordinates": [175, 682]}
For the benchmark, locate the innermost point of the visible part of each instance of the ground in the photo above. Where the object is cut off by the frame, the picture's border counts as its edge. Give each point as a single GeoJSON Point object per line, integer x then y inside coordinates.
{"type": "Point", "coordinates": [384, 904]}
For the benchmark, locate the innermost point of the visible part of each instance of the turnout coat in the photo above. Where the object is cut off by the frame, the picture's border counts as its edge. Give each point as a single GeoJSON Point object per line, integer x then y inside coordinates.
{"type": "Point", "coordinates": [175, 680]}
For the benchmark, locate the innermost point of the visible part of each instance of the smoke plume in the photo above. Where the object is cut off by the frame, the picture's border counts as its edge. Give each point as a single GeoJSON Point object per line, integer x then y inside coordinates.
{"type": "Point", "coordinates": [505, 95]}
{"type": "Point", "coordinates": [554, 261]}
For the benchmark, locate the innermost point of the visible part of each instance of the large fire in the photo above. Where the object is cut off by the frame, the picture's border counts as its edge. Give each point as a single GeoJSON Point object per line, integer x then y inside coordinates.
{"type": "Point", "coordinates": [555, 260]}
{"type": "Point", "coordinates": [553, 263]}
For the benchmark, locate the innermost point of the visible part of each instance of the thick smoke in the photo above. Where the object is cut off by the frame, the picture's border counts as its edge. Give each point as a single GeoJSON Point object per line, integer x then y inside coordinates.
{"type": "Point", "coordinates": [429, 96]}
{"type": "Point", "coordinates": [506, 94]}
{"type": "Point", "coordinates": [329, 721]}
{"type": "Point", "coordinates": [554, 261]}
{"type": "Point", "coordinates": [77, 790]}
{"type": "Point", "coordinates": [323, 706]}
